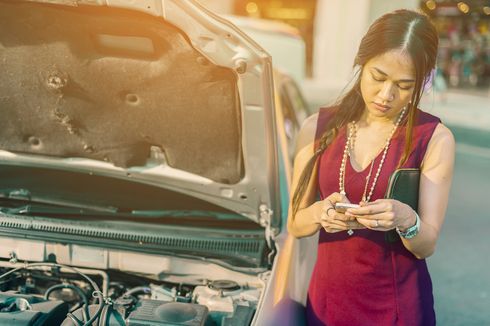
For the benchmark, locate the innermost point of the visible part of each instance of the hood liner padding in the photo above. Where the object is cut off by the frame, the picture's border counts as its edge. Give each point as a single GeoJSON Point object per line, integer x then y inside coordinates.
{"type": "Point", "coordinates": [108, 84]}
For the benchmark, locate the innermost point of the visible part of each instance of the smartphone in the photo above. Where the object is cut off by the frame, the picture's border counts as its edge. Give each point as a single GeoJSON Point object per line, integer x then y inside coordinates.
{"type": "Point", "coordinates": [342, 207]}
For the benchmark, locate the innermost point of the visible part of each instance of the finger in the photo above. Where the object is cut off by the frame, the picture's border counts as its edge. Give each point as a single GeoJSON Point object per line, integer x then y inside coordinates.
{"type": "Point", "coordinates": [377, 224]}
{"type": "Point", "coordinates": [330, 221]}
{"type": "Point", "coordinates": [367, 203]}
{"type": "Point", "coordinates": [386, 219]}
{"type": "Point", "coordinates": [337, 197]}
{"type": "Point", "coordinates": [332, 228]}
{"type": "Point", "coordinates": [370, 224]}
{"type": "Point", "coordinates": [383, 202]}
{"type": "Point", "coordinates": [329, 211]}
{"type": "Point", "coordinates": [332, 214]}
{"type": "Point", "coordinates": [326, 214]}
{"type": "Point", "coordinates": [350, 217]}
{"type": "Point", "coordinates": [327, 204]}
{"type": "Point", "coordinates": [324, 218]}
{"type": "Point", "coordinates": [366, 210]}
{"type": "Point", "coordinates": [375, 216]}
{"type": "Point", "coordinates": [342, 217]}
{"type": "Point", "coordinates": [352, 225]}
{"type": "Point", "coordinates": [355, 225]}
{"type": "Point", "coordinates": [341, 224]}
{"type": "Point", "coordinates": [335, 224]}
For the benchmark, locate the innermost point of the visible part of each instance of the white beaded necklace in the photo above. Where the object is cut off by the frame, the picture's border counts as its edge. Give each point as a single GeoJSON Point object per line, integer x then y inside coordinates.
{"type": "Point", "coordinates": [349, 144]}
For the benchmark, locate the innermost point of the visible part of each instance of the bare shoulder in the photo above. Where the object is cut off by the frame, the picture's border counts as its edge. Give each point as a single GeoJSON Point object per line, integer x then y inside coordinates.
{"type": "Point", "coordinates": [441, 148]}
{"type": "Point", "coordinates": [442, 136]}
{"type": "Point", "coordinates": [306, 136]}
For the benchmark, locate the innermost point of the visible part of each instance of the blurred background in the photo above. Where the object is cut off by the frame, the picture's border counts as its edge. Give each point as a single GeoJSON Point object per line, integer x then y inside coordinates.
{"type": "Point", "coordinates": [331, 31]}
{"type": "Point", "coordinates": [315, 41]}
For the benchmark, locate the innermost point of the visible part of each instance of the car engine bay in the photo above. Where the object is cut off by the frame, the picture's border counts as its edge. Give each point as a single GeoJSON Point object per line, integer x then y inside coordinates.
{"type": "Point", "coordinates": [54, 294]}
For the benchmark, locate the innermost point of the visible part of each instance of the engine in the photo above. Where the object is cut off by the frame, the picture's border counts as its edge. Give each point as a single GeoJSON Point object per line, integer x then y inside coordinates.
{"type": "Point", "coordinates": [18, 309]}
{"type": "Point", "coordinates": [44, 294]}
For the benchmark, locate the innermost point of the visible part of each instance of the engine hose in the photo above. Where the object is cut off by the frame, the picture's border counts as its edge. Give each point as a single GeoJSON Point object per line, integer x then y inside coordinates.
{"type": "Point", "coordinates": [137, 289]}
{"type": "Point", "coordinates": [66, 286]}
{"type": "Point", "coordinates": [104, 315]}
{"type": "Point", "coordinates": [74, 288]}
{"type": "Point", "coordinates": [74, 319]}
{"type": "Point", "coordinates": [94, 285]}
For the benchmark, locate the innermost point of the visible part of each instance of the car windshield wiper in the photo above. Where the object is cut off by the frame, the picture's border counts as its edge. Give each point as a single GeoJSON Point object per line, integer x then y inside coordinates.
{"type": "Point", "coordinates": [185, 213]}
{"type": "Point", "coordinates": [49, 207]}
{"type": "Point", "coordinates": [24, 196]}
{"type": "Point", "coordinates": [42, 210]}
{"type": "Point", "coordinates": [35, 209]}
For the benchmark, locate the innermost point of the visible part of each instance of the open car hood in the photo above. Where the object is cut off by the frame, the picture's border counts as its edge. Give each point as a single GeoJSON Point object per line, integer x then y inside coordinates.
{"type": "Point", "coordinates": [158, 92]}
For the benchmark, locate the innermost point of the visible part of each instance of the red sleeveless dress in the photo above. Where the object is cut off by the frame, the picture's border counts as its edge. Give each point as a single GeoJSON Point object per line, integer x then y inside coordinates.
{"type": "Point", "coordinates": [363, 279]}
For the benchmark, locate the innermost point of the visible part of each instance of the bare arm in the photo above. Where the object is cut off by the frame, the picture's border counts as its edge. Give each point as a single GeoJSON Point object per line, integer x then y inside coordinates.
{"type": "Point", "coordinates": [307, 220]}
{"type": "Point", "coordinates": [435, 183]}
{"type": "Point", "coordinates": [313, 215]}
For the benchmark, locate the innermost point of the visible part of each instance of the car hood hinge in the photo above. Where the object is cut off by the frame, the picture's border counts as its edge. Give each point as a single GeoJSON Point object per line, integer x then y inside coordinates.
{"type": "Point", "coordinates": [265, 218]}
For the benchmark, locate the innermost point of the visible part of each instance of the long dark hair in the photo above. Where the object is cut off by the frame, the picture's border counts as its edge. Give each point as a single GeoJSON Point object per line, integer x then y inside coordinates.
{"type": "Point", "coordinates": [401, 29]}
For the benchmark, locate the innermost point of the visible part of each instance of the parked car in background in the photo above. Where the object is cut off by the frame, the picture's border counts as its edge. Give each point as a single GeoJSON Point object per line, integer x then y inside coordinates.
{"type": "Point", "coordinates": [282, 41]}
{"type": "Point", "coordinates": [144, 167]}
{"type": "Point", "coordinates": [287, 49]}
{"type": "Point", "coordinates": [296, 257]}
{"type": "Point", "coordinates": [293, 106]}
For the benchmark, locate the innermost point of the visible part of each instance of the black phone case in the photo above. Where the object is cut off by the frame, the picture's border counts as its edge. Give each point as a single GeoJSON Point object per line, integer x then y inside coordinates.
{"type": "Point", "coordinates": [403, 185]}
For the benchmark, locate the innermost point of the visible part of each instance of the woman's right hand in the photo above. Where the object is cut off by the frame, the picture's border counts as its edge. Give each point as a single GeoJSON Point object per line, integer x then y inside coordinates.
{"type": "Point", "coordinates": [333, 221]}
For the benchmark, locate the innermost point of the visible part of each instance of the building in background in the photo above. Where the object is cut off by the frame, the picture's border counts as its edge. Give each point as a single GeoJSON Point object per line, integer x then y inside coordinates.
{"type": "Point", "coordinates": [332, 30]}
{"type": "Point", "coordinates": [464, 52]}
{"type": "Point", "coordinates": [297, 13]}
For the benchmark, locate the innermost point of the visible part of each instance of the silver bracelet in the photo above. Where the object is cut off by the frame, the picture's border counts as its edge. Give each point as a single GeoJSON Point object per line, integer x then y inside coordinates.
{"type": "Point", "coordinates": [411, 231]}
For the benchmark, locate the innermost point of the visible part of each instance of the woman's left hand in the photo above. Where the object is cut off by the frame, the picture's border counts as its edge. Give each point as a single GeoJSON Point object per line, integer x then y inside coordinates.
{"type": "Point", "coordinates": [383, 214]}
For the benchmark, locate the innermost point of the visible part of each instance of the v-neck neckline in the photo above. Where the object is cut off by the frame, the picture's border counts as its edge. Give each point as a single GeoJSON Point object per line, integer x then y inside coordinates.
{"type": "Point", "coordinates": [368, 166]}
{"type": "Point", "coordinates": [363, 171]}
{"type": "Point", "coordinates": [373, 161]}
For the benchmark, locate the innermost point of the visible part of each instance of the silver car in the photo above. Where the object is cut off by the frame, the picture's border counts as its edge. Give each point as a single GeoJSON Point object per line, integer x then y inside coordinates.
{"type": "Point", "coordinates": [144, 167]}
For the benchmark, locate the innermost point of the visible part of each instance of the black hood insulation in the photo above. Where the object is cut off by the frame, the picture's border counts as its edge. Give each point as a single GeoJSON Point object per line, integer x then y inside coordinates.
{"type": "Point", "coordinates": [112, 85]}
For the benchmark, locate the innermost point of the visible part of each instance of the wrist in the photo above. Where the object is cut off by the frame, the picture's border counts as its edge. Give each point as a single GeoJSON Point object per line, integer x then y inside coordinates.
{"type": "Point", "coordinates": [411, 231]}
{"type": "Point", "coordinates": [409, 222]}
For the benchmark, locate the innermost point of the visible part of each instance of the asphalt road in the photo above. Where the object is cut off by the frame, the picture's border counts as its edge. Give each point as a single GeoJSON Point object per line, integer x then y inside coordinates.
{"type": "Point", "coordinates": [460, 267]}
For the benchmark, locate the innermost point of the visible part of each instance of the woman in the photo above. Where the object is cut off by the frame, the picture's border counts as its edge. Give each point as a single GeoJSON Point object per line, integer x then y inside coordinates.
{"type": "Point", "coordinates": [346, 153]}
